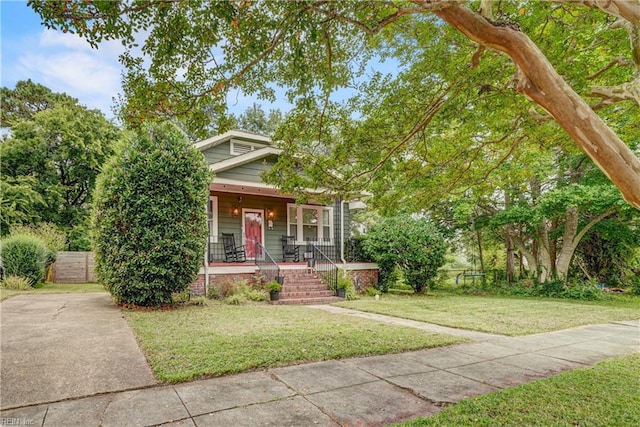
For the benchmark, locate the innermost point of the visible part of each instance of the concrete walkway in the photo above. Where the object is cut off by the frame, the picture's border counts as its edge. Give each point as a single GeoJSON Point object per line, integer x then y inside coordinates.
{"type": "Point", "coordinates": [368, 391]}
{"type": "Point", "coordinates": [63, 346]}
{"type": "Point", "coordinates": [427, 327]}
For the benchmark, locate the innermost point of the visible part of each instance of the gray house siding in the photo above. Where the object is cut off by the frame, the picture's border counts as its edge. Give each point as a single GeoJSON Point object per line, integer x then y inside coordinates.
{"type": "Point", "coordinates": [223, 151]}
{"type": "Point", "coordinates": [246, 176]}
{"type": "Point", "coordinates": [249, 172]}
{"type": "Point", "coordinates": [217, 153]}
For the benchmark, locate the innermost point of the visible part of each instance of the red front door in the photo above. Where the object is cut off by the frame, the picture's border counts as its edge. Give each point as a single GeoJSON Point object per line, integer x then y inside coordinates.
{"type": "Point", "coordinates": [252, 230]}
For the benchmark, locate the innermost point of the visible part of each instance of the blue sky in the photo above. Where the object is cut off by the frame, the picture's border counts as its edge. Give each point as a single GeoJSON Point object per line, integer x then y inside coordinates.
{"type": "Point", "coordinates": [61, 62]}
{"type": "Point", "coordinates": [66, 63]}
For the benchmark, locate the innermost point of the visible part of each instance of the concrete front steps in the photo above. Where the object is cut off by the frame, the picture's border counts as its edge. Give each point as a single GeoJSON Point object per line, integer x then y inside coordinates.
{"type": "Point", "coordinates": [303, 287]}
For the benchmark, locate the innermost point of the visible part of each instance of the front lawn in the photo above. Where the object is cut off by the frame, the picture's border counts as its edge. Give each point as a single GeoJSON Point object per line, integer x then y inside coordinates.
{"type": "Point", "coordinates": [217, 339]}
{"type": "Point", "coordinates": [500, 315]}
{"type": "Point", "coordinates": [53, 288]}
{"type": "Point", "coordinates": [607, 394]}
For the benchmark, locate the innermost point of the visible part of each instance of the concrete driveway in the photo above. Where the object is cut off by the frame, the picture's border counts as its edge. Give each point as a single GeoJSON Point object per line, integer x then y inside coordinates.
{"type": "Point", "coordinates": [62, 346]}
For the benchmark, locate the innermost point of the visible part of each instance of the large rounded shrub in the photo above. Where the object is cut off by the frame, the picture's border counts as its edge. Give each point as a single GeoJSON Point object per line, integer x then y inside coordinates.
{"type": "Point", "coordinates": [25, 256]}
{"type": "Point", "coordinates": [413, 244]}
{"type": "Point", "coordinates": [148, 221]}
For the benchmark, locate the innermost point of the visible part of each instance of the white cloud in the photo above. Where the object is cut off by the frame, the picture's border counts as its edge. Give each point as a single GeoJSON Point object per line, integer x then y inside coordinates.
{"type": "Point", "coordinates": [66, 63]}
{"type": "Point", "coordinates": [57, 39]}
{"type": "Point", "coordinates": [81, 73]}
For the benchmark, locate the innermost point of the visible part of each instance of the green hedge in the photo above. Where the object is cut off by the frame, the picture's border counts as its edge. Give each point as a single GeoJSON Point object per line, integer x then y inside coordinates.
{"type": "Point", "coordinates": [148, 222]}
{"type": "Point", "coordinates": [25, 256]}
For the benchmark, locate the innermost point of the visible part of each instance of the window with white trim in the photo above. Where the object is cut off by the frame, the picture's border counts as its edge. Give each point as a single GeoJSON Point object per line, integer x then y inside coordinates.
{"type": "Point", "coordinates": [310, 222]}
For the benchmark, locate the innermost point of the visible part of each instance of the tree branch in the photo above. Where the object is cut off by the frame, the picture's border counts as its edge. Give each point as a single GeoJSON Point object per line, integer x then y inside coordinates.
{"type": "Point", "coordinates": [421, 7]}
{"type": "Point", "coordinates": [431, 112]}
{"type": "Point", "coordinates": [594, 221]}
{"type": "Point", "coordinates": [627, 9]}
{"type": "Point", "coordinates": [623, 62]}
{"type": "Point", "coordinates": [629, 91]}
{"type": "Point", "coordinates": [540, 82]}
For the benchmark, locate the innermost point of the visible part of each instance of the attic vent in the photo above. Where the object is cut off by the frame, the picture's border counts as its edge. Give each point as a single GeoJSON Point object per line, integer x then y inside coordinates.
{"type": "Point", "coordinates": [238, 148]}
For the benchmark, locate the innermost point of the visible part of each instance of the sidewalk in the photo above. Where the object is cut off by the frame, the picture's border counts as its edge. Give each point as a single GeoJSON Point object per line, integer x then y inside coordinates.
{"type": "Point", "coordinates": [368, 391]}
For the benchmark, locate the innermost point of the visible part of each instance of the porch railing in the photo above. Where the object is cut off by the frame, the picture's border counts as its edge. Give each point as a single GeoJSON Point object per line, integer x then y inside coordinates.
{"type": "Point", "coordinates": [265, 263]}
{"type": "Point", "coordinates": [330, 249]}
{"type": "Point", "coordinates": [325, 268]}
{"type": "Point", "coordinates": [216, 252]}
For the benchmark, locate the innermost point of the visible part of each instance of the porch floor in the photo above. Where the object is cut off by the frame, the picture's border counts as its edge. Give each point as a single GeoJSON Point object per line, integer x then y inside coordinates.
{"type": "Point", "coordinates": [282, 265]}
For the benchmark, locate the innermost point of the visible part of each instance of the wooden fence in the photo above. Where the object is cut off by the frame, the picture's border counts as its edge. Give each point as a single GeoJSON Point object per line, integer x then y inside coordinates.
{"type": "Point", "coordinates": [74, 267]}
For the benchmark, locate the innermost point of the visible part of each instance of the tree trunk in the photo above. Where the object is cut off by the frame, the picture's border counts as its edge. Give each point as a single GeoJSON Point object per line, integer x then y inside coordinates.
{"type": "Point", "coordinates": [539, 82]}
{"type": "Point", "coordinates": [511, 265]}
{"type": "Point", "coordinates": [511, 269]}
{"type": "Point", "coordinates": [545, 263]}
{"type": "Point", "coordinates": [568, 240]}
{"type": "Point", "coordinates": [571, 238]}
{"type": "Point", "coordinates": [553, 249]}
{"type": "Point", "coordinates": [531, 258]}
{"type": "Point", "coordinates": [478, 236]}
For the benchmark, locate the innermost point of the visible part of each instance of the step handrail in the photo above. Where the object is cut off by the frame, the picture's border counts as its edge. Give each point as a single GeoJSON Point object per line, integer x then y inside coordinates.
{"type": "Point", "coordinates": [326, 269]}
{"type": "Point", "coordinates": [265, 263]}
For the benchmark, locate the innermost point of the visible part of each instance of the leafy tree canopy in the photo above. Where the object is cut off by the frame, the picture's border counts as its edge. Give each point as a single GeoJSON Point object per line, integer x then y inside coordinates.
{"type": "Point", "coordinates": [27, 99]}
{"type": "Point", "coordinates": [196, 52]}
{"type": "Point", "coordinates": [51, 158]}
{"type": "Point", "coordinates": [254, 119]}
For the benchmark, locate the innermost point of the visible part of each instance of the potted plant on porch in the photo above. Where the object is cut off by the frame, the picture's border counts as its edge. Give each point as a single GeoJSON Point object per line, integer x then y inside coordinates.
{"type": "Point", "coordinates": [274, 288]}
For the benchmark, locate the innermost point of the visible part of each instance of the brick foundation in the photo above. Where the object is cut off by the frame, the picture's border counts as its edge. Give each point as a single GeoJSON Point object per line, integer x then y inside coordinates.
{"type": "Point", "coordinates": [198, 287]}
{"type": "Point", "coordinates": [363, 279]}
{"type": "Point", "coordinates": [363, 276]}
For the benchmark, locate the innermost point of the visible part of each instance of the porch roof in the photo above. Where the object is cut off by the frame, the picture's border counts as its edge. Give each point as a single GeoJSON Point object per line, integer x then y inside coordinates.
{"type": "Point", "coordinates": [245, 187]}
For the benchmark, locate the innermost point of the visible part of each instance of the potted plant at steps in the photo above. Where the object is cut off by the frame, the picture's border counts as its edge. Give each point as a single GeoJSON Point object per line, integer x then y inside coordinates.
{"type": "Point", "coordinates": [341, 285]}
{"type": "Point", "coordinates": [274, 288]}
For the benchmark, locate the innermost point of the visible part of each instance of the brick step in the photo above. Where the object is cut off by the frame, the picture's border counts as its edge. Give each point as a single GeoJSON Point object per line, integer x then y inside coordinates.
{"type": "Point", "coordinates": [302, 294]}
{"type": "Point", "coordinates": [302, 301]}
{"type": "Point", "coordinates": [306, 288]}
{"type": "Point", "coordinates": [288, 280]}
{"type": "Point", "coordinates": [304, 284]}
{"type": "Point", "coordinates": [300, 277]}
{"type": "Point", "coordinates": [298, 272]}
{"type": "Point", "coordinates": [302, 287]}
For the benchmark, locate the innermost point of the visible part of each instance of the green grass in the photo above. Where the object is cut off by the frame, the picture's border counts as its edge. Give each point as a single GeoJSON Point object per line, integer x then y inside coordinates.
{"type": "Point", "coordinates": [607, 394]}
{"type": "Point", "coordinates": [53, 288]}
{"type": "Point", "coordinates": [217, 339]}
{"type": "Point", "coordinates": [501, 315]}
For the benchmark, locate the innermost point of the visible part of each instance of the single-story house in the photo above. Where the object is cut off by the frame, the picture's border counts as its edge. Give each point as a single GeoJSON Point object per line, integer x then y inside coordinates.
{"type": "Point", "coordinates": [259, 217]}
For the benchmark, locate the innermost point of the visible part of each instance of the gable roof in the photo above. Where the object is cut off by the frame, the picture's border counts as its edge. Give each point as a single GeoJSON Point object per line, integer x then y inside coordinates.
{"type": "Point", "coordinates": [235, 134]}
{"type": "Point", "coordinates": [244, 159]}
